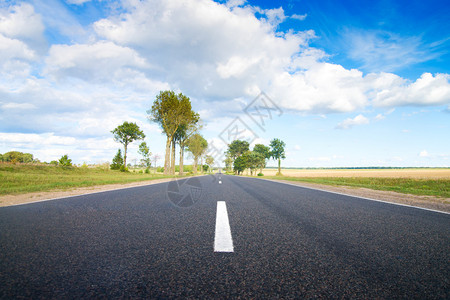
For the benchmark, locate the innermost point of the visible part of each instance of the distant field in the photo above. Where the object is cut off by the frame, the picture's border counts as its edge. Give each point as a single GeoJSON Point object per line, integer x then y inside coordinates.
{"type": "Point", "coordinates": [428, 182]}
{"type": "Point", "coordinates": [19, 179]}
{"type": "Point", "coordinates": [390, 173]}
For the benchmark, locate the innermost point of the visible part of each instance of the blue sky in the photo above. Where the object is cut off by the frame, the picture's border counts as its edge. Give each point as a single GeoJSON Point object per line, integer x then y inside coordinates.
{"type": "Point", "coordinates": [354, 83]}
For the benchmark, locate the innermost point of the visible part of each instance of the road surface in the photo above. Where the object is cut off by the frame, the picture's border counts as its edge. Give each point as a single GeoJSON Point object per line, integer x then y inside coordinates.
{"type": "Point", "coordinates": [171, 240]}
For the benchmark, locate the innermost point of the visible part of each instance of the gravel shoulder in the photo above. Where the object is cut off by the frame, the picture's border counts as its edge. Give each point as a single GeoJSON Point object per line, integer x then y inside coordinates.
{"type": "Point", "coordinates": [429, 202]}
{"type": "Point", "coordinates": [9, 200]}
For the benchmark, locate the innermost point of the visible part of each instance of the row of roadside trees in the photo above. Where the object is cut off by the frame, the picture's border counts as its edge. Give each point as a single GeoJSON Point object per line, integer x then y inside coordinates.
{"type": "Point", "coordinates": [178, 121]}
{"type": "Point", "coordinates": [239, 157]}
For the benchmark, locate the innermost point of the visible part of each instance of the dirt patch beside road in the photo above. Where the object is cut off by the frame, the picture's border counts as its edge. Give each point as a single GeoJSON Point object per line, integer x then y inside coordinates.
{"type": "Point", "coordinates": [41, 196]}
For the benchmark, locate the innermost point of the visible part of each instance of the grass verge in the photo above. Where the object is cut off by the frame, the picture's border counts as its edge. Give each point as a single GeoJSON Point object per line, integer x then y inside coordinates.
{"type": "Point", "coordinates": [20, 179]}
{"type": "Point", "coordinates": [421, 187]}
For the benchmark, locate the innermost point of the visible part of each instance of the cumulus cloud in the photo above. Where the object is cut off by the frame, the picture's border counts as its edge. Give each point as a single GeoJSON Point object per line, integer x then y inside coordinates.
{"type": "Point", "coordinates": [392, 90]}
{"type": "Point", "coordinates": [220, 55]}
{"type": "Point", "coordinates": [349, 123]}
{"type": "Point", "coordinates": [101, 60]}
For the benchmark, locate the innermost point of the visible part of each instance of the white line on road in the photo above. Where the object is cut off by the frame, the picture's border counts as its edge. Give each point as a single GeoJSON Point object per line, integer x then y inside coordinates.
{"type": "Point", "coordinates": [222, 240]}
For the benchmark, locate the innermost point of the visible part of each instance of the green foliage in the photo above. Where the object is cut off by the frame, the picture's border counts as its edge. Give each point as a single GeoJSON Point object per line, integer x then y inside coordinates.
{"type": "Point", "coordinates": [17, 157]}
{"type": "Point", "coordinates": [160, 169]}
{"type": "Point", "coordinates": [65, 161]}
{"type": "Point", "coordinates": [147, 171]}
{"type": "Point", "coordinates": [277, 152]}
{"type": "Point", "coordinates": [240, 164]}
{"type": "Point", "coordinates": [197, 145]}
{"type": "Point", "coordinates": [54, 162]}
{"type": "Point", "coordinates": [263, 150]}
{"type": "Point", "coordinates": [237, 148]}
{"type": "Point", "coordinates": [126, 134]}
{"type": "Point", "coordinates": [123, 169]}
{"type": "Point", "coordinates": [260, 174]}
{"type": "Point", "coordinates": [144, 150]}
{"type": "Point", "coordinates": [117, 161]}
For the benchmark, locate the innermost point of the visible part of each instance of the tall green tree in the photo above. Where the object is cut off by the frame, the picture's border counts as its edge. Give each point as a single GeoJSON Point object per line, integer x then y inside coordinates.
{"type": "Point", "coordinates": [144, 150]}
{"type": "Point", "coordinates": [170, 111]}
{"type": "Point", "coordinates": [264, 151]}
{"type": "Point", "coordinates": [182, 135]}
{"type": "Point", "coordinates": [240, 164]}
{"type": "Point", "coordinates": [197, 145]}
{"type": "Point", "coordinates": [277, 152]}
{"type": "Point", "coordinates": [210, 162]}
{"type": "Point", "coordinates": [126, 134]}
{"type": "Point", "coordinates": [237, 148]}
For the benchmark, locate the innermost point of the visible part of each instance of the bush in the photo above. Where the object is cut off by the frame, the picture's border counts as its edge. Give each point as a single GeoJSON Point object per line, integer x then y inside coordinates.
{"type": "Point", "coordinates": [260, 174]}
{"type": "Point", "coordinates": [123, 169]}
{"type": "Point", "coordinates": [147, 171]}
{"type": "Point", "coordinates": [160, 169]}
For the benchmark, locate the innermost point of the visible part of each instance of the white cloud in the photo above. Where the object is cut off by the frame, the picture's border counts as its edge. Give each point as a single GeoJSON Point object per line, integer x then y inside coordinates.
{"type": "Point", "coordinates": [392, 90]}
{"type": "Point", "coordinates": [98, 61]}
{"type": "Point", "coordinates": [349, 123]}
{"type": "Point", "coordinates": [21, 22]}
{"type": "Point", "coordinates": [220, 55]}
{"type": "Point", "coordinates": [424, 153]}
{"type": "Point", "coordinates": [299, 17]}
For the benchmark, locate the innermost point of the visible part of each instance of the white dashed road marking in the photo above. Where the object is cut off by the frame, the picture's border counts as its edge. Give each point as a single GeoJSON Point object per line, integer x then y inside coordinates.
{"type": "Point", "coordinates": [223, 241]}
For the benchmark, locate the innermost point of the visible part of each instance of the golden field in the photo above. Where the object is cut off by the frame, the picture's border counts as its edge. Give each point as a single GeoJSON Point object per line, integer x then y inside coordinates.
{"type": "Point", "coordinates": [379, 173]}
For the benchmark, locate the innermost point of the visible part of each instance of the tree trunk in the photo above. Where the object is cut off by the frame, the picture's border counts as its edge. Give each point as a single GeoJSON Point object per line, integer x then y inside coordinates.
{"type": "Point", "coordinates": [125, 156]}
{"type": "Point", "coordinates": [279, 166]}
{"type": "Point", "coordinates": [181, 159]}
{"type": "Point", "coordinates": [172, 170]}
{"type": "Point", "coordinates": [201, 164]}
{"type": "Point", "coordinates": [167, 158]}
{"type": "Point", "coordinates": [194, 167]}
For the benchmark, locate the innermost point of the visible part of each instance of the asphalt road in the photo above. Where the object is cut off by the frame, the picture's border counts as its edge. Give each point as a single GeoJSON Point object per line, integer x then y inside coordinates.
{"type": "Point", "coordinates": [157, 241]}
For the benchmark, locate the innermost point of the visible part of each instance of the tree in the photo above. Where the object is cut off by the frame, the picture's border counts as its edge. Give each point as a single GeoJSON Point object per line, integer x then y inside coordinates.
{"type": "Point", "coordinates": [144, 150]}
{"type": "Point", "coordinates": [253, 160]}
{"type": "Point", "coordinates": [17, 157]}
{"type": "Point", "coordinates": [170, 111]}
{"type": "Point", "coordinates": [65, 161]}
{"type": "Point", "coordinates": [240, 164]}
{"type": "Point", "coordinates": [237, 148]}
{"type": "Point", "coordinates": [197, 145]}
{"type": "Point", "coordinates": [126, 134]}
{"type": "Point", "coordinates": [182, 135]}
{"type": "Point", "coordinates": [264, 151]}
{"type": "Point", "coordinates": [228, 162]}
{"type": "Point", "coordinates": [117, 161]}
{"type": "Point", "coordinates": [209, 161]}
{"type": "Point", "coordinates": [277, 152]}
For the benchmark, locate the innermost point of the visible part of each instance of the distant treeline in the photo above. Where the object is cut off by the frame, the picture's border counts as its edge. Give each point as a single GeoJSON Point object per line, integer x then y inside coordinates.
{"type": "Point", "coordinates": [16, 157]}
{"type": "Point", "coordinates": [360, 168]}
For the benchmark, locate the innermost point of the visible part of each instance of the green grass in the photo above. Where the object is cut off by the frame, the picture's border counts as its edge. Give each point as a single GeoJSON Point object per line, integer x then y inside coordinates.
{"type": "Point", "coordinates": [19, 179]}
{"type": "Point", "coordinates": [427, 187]}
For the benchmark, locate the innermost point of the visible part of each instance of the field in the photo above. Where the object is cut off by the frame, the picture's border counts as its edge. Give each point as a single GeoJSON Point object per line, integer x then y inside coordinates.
{"type": "Point", "coordinates": [427, 182]}
{"type": "Point", "coordinates": [22, 178]}
{"type": "Point", "coordinates": [376, 173]}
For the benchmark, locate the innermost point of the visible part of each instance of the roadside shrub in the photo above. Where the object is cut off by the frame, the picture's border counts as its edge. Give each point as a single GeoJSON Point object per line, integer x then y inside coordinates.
{"type": "Point", "coordinates": [123, 169]}
{"type": "Point", "coordinates": [260, 174]}
{"type": "Point", "coordinates": [147, 171]}
{"type": "Point", "coordinates": [160, 169]}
